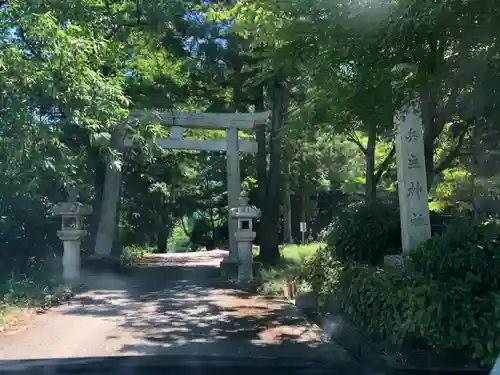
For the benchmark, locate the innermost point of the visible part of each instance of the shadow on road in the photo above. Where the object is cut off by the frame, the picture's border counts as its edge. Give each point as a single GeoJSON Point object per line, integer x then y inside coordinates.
{"type": "Point", "coordinates": [177, 305]}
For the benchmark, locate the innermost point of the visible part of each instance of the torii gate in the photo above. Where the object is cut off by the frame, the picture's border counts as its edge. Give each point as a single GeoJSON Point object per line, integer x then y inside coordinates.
{"type": "Point", "coordinates": [232, 145]}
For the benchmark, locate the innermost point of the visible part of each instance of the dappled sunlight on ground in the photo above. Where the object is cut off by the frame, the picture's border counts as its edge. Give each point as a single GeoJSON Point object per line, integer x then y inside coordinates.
{"type": "Point", "coordinates": [174, 304]}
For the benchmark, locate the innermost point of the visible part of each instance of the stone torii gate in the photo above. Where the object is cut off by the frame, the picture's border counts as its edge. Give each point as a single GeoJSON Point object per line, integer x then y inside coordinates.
{"type": "Point", "coordinates": [232, 145]}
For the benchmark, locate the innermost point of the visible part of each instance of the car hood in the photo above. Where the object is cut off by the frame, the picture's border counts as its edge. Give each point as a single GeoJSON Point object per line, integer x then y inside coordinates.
{"type": "Point", "coordinates": [192, 365]}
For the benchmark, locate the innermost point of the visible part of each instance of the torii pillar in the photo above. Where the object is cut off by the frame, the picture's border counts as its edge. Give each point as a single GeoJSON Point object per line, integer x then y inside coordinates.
{"type": "Point", "coordinates": [232, 145]}
{"type": "Point", "coordinates": [229, 265]}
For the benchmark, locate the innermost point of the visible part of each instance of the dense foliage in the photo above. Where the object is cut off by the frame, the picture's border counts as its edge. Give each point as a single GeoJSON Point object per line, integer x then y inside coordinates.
{"type": "Point", "coordinates": [71, 72]}
{"type": "Point", "coordinates": [447, 305]}
{"type": "Point", "coordinates": [467, 252]}
{"type": "Point", "coordinates": [365, 233]}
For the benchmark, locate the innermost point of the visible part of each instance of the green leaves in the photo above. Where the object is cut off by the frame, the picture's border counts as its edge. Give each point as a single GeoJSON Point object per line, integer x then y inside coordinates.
{"type": "Point", "coordinates": [365, 233]}
{"type": "Point", "coordinates": [466, 252]}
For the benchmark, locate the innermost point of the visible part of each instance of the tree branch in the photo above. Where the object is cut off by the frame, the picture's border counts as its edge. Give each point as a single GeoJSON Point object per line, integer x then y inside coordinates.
{"type": "Point", "coordinates": [452, 155]}
{"type": "Point", "coordinates": [31, 48]}
{"type": "Point", "coordinates": [386, 163]}
{"type": "Point", "coordinates": [185, 229]}
{"type": "Point", "coordinates": [292, 110]}
{"type": "Point", "coordinates": [445, 113]}
{"type": "Point", "coordinates": [351, 136]}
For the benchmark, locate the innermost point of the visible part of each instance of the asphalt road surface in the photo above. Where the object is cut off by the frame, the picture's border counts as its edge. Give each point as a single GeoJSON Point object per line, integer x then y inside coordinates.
{"type": "Point", "coordinates": [172, 304]}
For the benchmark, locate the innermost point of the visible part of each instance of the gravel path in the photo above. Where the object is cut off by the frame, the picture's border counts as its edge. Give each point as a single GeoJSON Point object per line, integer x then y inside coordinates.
{"type": "Point", "coordinates": [172, 304]}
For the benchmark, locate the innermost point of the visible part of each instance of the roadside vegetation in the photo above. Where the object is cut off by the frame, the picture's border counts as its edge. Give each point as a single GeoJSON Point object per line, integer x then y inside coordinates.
{"type": "Point", "coordinates": [71, 72]}
{"type": "Point", "coordinates": [133, 254]}
{"type": "Point", "coordinates": [274, 280]}
{"type": "Point", "coordinates": [37, 289]}
{"type": "Point", "coordinates": [441, 310]}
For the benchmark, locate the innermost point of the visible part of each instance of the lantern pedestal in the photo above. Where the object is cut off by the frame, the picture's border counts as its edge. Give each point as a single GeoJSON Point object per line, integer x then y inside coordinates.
{"type": "Point", "coordinates": [71, 240]}
{"type": "Point", "coordinates": [71, 235]}
{"type": "Point", "coordinates": [244, 236]}
{"type": "Point", "coordinates": [229, 268]}
{"type": "Point", "coordinates": [244, 242]}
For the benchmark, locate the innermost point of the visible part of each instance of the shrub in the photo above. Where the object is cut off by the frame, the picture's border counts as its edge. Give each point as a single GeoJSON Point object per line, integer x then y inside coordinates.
{"type": "Point", "coordinates": [132, 254]}
{"type": "Point", "coordinates": [465, 252]}
{"type": "Point", "coordinates": [459, 286]}
{"type": "Point", "coordinates": [291, 267]}
{"type": "Point", "coordinates": [454, 321]}
{"type": "Point", "coordinates": [439, 222]}
{"type": "Point", "coordinates": [375, 299]}
{"type": "Point", "coordinates": [365, 233]}
{"type": "Point", "coordinates": [178, 241]}
{"type": "Point", "coordinates": [322, 271]}
{"type": "Point", "coordinates": [416, 313]}
{"type": "Point", "coordinates": [298, 253]}
{"type": "Point", "coordinates": [38, 286]}
{"type": "Point", "coordinates": [449, 305]}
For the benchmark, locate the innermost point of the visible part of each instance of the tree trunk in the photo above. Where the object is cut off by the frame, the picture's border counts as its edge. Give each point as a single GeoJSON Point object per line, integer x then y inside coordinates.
{"type": "Point", "coordinates": [287, 210]}
{"type": "Point", "coordinates": [213, 245]}
{"type": "Point", "coordinates": [185, 230]}
{"type": "Point", "coordinates": [162, 235]}
{"type": "Point", "coordinates": [371, 181]}
{"type": "Point", "coordinates": [260, 135]}
{"type": "Point", "coordinates": [100, 172]}
{"type": "Point", "coordinates": [162, 243]}
{"type": "Point", "coordinates": [429, 164]}
{"type": "Point", "coordinates": [473, 170]}
{"type": "Point", "coordinates": [160, 224]}
{"type": "Point", "coordinates": [304, 200]}
{"type": "Point", "coordinates": [269, 249]}
{"type": "Point", "coordinates": [261, 164]}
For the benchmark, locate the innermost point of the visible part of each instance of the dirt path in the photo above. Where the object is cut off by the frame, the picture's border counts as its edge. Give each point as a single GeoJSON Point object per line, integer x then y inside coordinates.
{"type": "Point", "coordinates": [173, 304]}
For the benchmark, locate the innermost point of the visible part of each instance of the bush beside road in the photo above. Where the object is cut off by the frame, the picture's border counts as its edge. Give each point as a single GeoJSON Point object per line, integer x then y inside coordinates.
{"type": "Point", "coordinates": [443, 311]}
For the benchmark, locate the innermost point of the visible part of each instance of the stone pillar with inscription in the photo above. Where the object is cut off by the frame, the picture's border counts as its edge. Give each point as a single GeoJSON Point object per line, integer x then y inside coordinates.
{"type": "Point", "coordinates": [412, 179]}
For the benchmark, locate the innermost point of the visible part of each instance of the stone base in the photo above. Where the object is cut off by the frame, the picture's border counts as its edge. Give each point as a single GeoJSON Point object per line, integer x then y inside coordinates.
{"type": "Point", "coordinates": [247, 285]}
{"type": "Point", "coordinates": [394, 261]}
{"type": "Point", "coordinates": [229, 268]}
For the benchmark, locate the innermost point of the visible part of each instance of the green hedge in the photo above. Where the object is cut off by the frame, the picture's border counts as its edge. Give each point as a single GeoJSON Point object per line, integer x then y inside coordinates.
{"type": "Point", "coordinates": [458, 276]}
{"type": "Point", "coordinates": [449, 304]}
{"type": "Point", "coordinates": [365, 233]}
{"type": "Point", "coordinates": [466, 251]}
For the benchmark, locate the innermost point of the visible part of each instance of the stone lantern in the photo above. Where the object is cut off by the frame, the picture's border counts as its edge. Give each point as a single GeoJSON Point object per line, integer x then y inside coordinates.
{"type": "Point", "coordinates": [244, 235]}
{"type": "Point", "coordinates": [71, 235]}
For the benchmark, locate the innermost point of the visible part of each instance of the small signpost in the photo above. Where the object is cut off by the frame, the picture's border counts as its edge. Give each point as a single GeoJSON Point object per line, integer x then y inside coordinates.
{"type": "Point", "coordinates": [303, 230]}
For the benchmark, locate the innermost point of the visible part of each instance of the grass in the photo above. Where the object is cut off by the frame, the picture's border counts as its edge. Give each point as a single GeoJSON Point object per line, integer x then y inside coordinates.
{"type": "Point", "coordinates": [39, 289]}
{"type": "Point", "coordinates": [132, 254]}
{"type": "Point", "coordinates": [273, 279]}
{"type": "Point", "coordinates": [298, 253]}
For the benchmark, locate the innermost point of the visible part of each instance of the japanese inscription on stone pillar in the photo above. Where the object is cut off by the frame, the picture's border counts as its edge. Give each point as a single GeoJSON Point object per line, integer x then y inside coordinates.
{"type": "Point", "coordinates": [412, 180]}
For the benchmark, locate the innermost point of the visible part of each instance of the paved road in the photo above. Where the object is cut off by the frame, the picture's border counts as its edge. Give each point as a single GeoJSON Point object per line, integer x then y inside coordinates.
{"type": "Point", "coordinates": [172, 304]}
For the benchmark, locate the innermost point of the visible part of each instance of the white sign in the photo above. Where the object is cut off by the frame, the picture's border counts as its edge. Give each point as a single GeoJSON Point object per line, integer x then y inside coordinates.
{"type": "Point", "coordinates": [303, 227]}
